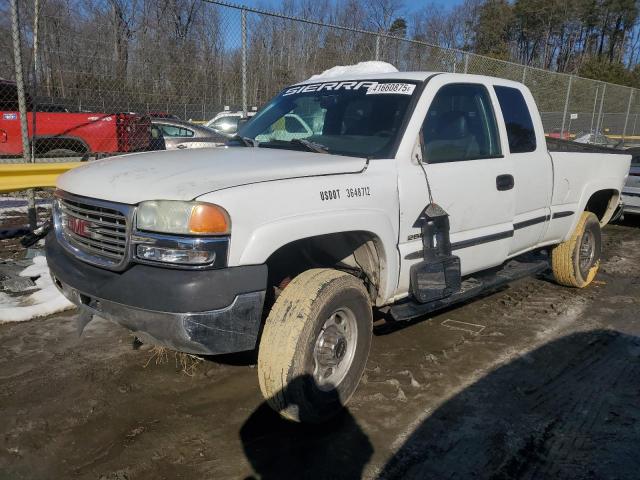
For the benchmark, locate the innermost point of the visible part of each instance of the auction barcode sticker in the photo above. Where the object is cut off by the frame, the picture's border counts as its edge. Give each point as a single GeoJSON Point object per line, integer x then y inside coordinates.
{"type": "Point", "coordinates": [393, 88]}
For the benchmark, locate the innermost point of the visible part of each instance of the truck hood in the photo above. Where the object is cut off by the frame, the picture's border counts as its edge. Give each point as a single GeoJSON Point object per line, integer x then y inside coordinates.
{"type": "Point", "coordinates": [187, 174]}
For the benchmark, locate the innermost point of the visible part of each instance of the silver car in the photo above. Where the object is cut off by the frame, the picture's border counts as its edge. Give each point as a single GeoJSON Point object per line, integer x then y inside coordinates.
{"type": "Point", "coordinates": [169, 134]}
{"type": "Point", "coordinates": [226, 122]}
{"type": "Point", "coordinates": [595, 138]}
{"type": "Point", "coordinates": [631, 190]}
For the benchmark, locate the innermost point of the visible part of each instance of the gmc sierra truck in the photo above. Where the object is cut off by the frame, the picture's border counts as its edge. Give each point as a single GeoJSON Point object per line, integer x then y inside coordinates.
{"type": "Point", "coordinates": [411, 192]}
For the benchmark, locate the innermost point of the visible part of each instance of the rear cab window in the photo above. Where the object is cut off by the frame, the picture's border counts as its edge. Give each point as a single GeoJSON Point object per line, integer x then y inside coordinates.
{"type": "Point", "coordinates": [460, 125]}
{"type": "Point", "coordinates": [517, 119]}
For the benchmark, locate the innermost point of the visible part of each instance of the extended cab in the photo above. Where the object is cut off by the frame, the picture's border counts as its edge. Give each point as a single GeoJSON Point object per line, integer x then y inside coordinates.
{"type": "Point", "coordinates": [410, 192]}
{"type": "Point", "coordinates": [61, 133]}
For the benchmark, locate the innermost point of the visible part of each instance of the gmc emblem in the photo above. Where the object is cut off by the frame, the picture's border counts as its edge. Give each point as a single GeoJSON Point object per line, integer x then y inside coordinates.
{"type": "Point", "coordinates": [78, 226]}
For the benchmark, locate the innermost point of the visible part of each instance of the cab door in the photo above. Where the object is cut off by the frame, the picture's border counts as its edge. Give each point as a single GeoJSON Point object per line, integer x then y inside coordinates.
{"type": "Point", "coordinates": [469, 176]}
{"type": "Point", "coordinates": [533, 171]}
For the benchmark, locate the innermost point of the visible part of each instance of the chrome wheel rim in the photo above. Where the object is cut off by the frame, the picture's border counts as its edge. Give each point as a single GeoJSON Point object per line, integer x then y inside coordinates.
{"type": "Point", "coordinates": [587, 251]}
{"type": "Point", "coordinates": [335, 349]}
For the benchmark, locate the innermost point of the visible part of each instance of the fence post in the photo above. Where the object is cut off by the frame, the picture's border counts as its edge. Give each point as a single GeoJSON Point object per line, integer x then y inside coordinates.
{"type": "Point", "coordinates": [377, 47]}
{"type": "Point", "coordinates": [34, 85]}
{"type": "Point", "coordinates": [595, 102]}
{"type": "Point", "coordinates": [524, 76]}
{"type": "Point", "coordinates": [243, 21]}
{"type": "Point", "coordinates": [22, 105]}
{"type": "Point", "coordinates": [600, 119]}
{"type": "Point", "coordinates": [466, 62]}
{"type": "Point", "coordinates": [566, 107]}
{"type": "Point", "coordinates": [626, 118]}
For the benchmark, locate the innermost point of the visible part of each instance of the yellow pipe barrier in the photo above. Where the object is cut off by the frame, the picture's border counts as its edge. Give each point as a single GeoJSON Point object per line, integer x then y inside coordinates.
{"type": "Point", "coordinates": [21, 176]}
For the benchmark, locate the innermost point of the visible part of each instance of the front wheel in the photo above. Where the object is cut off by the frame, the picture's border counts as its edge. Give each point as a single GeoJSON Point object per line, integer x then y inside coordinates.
{"type": "Point", "coordinates": [575, 262]}
{"type": "Point", "coordinates": [315, 345]}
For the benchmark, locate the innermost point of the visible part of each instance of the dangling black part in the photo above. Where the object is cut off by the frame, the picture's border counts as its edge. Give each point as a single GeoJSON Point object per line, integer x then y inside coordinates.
{"type": "Point", "coordinates": [82, 320]}
{"type": "Point", "coordinates": [438, 275]}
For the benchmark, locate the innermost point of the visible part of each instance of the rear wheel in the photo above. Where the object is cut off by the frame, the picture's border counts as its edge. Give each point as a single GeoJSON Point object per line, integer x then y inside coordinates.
{"type": "Point", "coordinates": [315, 345]}
{"type": "Point", "coordinates": [61, 152]}
{"type": "Point", "coordinates": [575, 262]}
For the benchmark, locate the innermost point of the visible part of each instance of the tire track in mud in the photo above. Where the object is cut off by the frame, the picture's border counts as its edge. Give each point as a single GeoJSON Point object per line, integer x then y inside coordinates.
{"type": "Point", "coordinates": [562, 405]}
{"type": "Point", "coordinates": [581, 420]}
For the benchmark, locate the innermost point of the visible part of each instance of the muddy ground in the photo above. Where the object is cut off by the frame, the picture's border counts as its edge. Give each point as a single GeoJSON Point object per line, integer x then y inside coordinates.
{"type": "Point", "coordinates": [544, 384]}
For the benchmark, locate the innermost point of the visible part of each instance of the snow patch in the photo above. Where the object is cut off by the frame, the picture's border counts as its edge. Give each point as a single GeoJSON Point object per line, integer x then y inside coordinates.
{"type": "Point", "coordinates": [45, 301]}
{"type": "Point", "coordinates": [361, 68]}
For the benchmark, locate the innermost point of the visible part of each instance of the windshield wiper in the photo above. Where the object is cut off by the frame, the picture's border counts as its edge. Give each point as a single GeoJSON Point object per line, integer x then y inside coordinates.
{"type": "Point", "coordinates": [246, 141]}
{"type": "Point", "coordinates": [309, 145]}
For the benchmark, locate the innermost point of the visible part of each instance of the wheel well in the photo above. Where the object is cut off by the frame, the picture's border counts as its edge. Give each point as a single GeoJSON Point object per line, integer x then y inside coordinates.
{"type": "Point", "coordinates": [603, 203]}
{"type": "Point", "coordinates": [44, 145]}
{"type": "Point", "coordinates": [359, 253]}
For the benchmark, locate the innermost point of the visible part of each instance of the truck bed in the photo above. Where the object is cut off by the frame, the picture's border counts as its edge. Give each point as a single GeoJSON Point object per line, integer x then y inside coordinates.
{"type": "Point", "coordinates": [577, 175]}
{"type": "Point", "coordinates": [559, 145]}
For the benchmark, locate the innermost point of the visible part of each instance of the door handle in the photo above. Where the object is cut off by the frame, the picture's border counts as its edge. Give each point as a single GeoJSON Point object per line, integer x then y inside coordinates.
{"type": "Point", "coordinates": [505, 182]}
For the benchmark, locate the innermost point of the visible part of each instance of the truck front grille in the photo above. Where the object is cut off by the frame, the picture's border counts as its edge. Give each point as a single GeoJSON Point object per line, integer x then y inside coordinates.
{"type": "Point", "coordinates": [96, 230]}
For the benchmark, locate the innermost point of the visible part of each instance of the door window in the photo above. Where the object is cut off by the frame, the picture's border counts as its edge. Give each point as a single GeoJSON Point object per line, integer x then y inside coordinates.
{"type": "Point", "coordinates": [460, 125]}
{"type": "Point", "coordinates": [522, 137]}
{"type": "Point", "coordinates": [173, 131]}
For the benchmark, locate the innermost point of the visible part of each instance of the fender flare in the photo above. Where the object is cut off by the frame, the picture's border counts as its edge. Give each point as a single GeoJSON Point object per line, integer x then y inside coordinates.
{"type": "Point", "coordinates": [63, 138]}
{"type": "Point", "coordinates": [268, 238]}
{"type": "Point", "coordinates": [587, 192]}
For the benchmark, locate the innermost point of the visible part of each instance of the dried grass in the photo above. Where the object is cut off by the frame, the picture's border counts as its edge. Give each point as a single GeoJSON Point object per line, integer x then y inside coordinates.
{"type": "Point", "coordinates": [187, 363]}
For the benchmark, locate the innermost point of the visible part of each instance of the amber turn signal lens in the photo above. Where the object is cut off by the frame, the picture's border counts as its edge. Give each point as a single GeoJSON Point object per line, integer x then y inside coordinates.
{"type": "Point", "coordinates": [208, 219]}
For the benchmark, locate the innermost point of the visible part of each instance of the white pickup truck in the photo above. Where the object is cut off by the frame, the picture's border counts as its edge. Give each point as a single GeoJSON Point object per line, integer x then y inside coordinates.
{"type": "Point", "coordinates": [406, 193]}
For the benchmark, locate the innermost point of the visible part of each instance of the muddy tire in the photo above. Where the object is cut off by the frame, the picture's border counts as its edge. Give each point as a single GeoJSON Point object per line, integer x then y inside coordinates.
{"type": "Point", "coordinates": [575, 262]}
{"type": "Point", "coordinates": [315, 345]}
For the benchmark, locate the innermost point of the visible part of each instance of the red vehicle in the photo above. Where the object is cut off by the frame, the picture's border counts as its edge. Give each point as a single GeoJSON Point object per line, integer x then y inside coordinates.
{"type": "Point", "coordinates": [565, 135]}
{"type": "Point", "coordinates": [64, 133]}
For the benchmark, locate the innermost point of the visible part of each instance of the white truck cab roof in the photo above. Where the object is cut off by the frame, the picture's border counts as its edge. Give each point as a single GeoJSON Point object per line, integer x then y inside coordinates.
{"type": "Point", "coordinates": [412, 76]}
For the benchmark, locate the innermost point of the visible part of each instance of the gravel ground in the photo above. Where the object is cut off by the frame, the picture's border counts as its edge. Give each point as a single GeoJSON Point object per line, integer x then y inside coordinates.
{"type": "Point", "coordinates": [535, 381]}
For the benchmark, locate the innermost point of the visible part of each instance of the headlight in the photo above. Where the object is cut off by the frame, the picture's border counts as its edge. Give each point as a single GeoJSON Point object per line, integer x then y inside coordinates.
{"type": "Point", "coordinates": [181, 256]}
{"type": "Point", "coordinates": [186, 218]}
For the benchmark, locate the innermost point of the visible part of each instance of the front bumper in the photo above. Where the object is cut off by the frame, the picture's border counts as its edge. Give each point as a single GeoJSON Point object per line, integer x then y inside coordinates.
{"type": "Point", "coordinates": [204, 312]}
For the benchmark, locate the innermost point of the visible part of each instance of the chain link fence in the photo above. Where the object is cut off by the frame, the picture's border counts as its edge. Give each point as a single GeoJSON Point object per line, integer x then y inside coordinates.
{"type": "Point", "coordinates": [104, 77]}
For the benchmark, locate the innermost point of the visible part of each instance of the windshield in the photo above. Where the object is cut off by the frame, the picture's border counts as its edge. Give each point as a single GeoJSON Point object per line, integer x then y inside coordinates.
{"type": "Point", "coordinates": [354, 118]}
